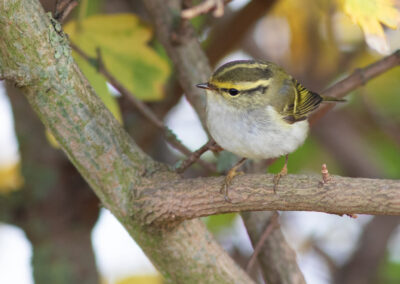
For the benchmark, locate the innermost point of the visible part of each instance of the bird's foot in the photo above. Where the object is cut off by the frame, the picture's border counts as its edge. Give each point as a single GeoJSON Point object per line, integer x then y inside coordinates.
{"type": "Point", "coordinates": [229, 177]}
{"type": "Point", "coordinates": [281, 174]}
{"type": "Point", "coordinates": [278, 176]}
{"type": "Point", "coordinates": [228, 181]}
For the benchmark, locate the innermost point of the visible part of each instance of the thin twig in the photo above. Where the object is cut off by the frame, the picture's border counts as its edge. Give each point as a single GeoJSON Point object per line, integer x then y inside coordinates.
{"type": "Point", "coordinates": [325, 256]}
{"type": "Point", "coordinates": [359, 77]}
{"type": "Point", "coordinates": [64, 8]}
{"type": "Point", "coordinates": [195, 156]}
{"type": "Point", "coordinates": [142, 107]}
{"type": "Point", "coordinates": [273, 223]}
{"type": "Point", "coordinates": [325, 174]}
{"type": "Point", "coordinates": [217, 6]}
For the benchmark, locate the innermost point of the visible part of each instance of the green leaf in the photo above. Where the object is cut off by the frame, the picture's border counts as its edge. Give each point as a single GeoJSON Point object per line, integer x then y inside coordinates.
{"type": "Point", "coordinates": [123, 42]}
{"type": "Point", "coordinates": [389, 272]}
{"type": "Point", "coordinates": [216, 223]}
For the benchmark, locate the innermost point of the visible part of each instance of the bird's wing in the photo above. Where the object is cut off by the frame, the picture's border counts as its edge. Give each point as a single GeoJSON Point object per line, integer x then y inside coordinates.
{"type": "Point", "coordinates": [302, 104]}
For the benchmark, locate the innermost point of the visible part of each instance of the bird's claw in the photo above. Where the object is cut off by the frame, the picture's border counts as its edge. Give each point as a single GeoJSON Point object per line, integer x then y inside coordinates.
{"type": "Point", "coordinates": [228, 181]}
{"type": "Point", "coordinates": [278, 176]}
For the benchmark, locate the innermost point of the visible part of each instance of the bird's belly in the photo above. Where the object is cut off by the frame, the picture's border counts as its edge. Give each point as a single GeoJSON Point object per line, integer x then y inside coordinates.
{"type": "Point", "coordinates": [258, 135]}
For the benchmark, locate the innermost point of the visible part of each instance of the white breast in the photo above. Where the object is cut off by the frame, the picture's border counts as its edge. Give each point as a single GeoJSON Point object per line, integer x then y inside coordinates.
{"type": "Point", "coordinates": [255, 134]}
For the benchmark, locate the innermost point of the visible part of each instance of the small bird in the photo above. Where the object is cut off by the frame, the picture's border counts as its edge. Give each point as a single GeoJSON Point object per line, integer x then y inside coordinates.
{"type": "Point", "coordinates": [256, 110]}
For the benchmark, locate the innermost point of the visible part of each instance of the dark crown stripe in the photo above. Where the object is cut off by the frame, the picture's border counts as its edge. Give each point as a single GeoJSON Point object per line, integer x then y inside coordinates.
{"type": "Point", "coordinates": [245, 71]}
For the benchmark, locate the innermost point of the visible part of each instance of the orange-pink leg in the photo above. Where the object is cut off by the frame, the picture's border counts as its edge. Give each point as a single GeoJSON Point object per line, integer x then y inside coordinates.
{"type": "Point", "coordinates": [229, 177]}
{"type": "Point", "coordinates": [282, 173]}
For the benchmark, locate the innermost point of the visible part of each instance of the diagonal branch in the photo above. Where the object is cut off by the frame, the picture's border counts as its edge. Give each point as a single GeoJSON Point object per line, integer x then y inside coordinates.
{"type": "Point", "coordinates": [178, 38]}
{"type": "Point", "coordinates": [359, 77]}
{"type": "Point", "coordinates": [186, 55]}
{"type": "Point", "coordinates": [36, 56]}
{"type": "Point", "coordinates": [241, 21]}
{"type": "Point", "coordinates": [277, 258]}
{"type": "Point", "coordinates": [271, 226]}
{"type": "Point", "coordinates": [142, 108]}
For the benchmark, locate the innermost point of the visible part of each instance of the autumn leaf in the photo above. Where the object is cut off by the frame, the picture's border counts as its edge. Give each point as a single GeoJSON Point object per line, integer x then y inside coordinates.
{"type": "Point", "coordinates": [10, 177]}
{"type": "Point", "coordinates": [123, 42]}
{"type": "Point", "coordinates": [371, 15]}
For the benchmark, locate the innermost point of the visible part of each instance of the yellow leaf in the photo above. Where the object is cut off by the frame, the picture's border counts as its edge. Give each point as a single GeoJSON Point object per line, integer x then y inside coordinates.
{"type": "Point", "coordinates": [307, 34]}
{"type": "Point", "coordinates": [10, 177]}
{"type": "Point", "coordinates": [123, 42]}
{"type": "Point", "coordinates": [51, 139]}
{"type": "Point", "coordinates": [141, 279]}
{"type": "Point", "coordinates": [370, 15]}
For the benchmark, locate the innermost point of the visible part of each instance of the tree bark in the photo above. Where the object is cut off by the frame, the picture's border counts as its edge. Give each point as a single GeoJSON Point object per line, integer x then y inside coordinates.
{"type": "Point", "coordinates": [35, 55]}
{"type": "Point", "coordinates": [191, 198]}
{"type": "Point", "coordinates": [147, 198]}
{"type": "Point", "coordinates": [55, 207]}
{"type": "Point", "coordinates": [277, 258]}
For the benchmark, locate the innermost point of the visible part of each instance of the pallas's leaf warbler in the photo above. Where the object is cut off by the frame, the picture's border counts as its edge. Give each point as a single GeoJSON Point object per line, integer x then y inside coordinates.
{"type": "Point", "coordinates": [256, 110]}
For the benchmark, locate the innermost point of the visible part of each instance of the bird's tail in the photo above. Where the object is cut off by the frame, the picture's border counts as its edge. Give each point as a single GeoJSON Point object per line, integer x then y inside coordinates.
{"type": "Point", "coordinates": [332, 99]}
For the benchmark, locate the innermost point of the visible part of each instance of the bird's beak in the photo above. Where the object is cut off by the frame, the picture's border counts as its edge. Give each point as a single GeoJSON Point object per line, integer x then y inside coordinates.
{"type": "Point", "coordinates": [204, 86]}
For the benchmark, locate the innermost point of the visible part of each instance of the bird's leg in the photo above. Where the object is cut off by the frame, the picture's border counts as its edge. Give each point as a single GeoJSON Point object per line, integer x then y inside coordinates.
{"type": "Point", "coordinates": [229, 177]}
{"type": "Point", "coordinates": [282, 173]}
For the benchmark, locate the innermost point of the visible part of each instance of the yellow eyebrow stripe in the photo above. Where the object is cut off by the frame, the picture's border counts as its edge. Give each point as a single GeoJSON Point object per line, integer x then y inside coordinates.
{"type": "Point", "coordinates": [240, 86]}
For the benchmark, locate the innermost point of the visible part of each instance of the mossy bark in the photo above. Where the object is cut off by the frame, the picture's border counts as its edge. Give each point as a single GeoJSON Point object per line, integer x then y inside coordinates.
{"type": "Point", "coordinates": [55, 207]}
{"type": "Point", "coordinates": [34, 54]}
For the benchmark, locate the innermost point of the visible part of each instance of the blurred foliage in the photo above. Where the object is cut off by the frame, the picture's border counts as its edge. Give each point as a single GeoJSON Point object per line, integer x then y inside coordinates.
{"type": "Point", "coordinates": [140, 279]}
{"type": "Point", "coordinates": [216, 223]}
{"type": "Point", "coordinates": [389, 272]}
{"type": "Point", "coordinates": [306, 37]}
{"type": "Point", "coordinates": [10, 177]}
{"type": "Point", "coordinates": [371, 15]}
{"type": "Point", "coordinates": [383, 91]}
{"type": "Point", "coordinates": [307, 159]}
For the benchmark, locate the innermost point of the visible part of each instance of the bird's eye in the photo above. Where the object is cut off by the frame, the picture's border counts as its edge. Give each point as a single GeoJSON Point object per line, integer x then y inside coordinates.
{"type": "Point", "coordinates": [233, 92]}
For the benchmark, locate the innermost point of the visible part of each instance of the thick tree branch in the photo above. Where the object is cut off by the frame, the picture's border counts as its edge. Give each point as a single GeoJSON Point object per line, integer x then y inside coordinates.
{"type": "Point", "coordinates": [161, 19]}
{"type": "Point", "coordinates": [277, 259]}
{"type": "Point", "coordinates": [187, 57]}
{"type": "Point", "coordinates": [177, 37]}
{"type": "Point", "coordinates": [34, 54]}
{"type": "Point", "coordinates": [192, 198]}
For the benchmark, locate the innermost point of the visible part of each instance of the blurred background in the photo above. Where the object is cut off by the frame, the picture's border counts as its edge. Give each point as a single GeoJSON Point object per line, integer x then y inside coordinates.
{"type": "Point", "coordinates": [53, 229]}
